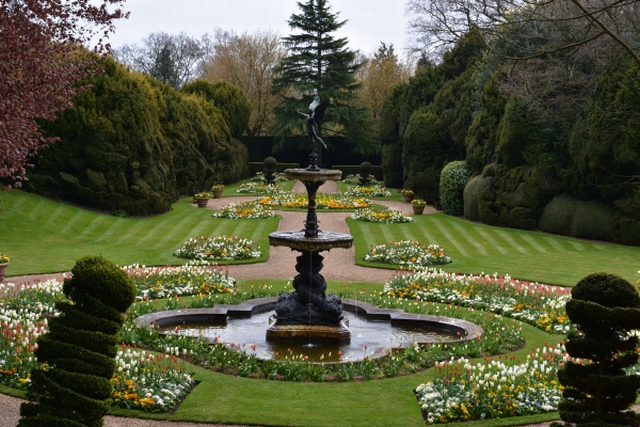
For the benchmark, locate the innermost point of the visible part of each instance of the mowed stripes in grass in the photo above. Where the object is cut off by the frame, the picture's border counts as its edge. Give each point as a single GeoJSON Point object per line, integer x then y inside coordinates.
{"type": "Point", "coordinates": [43, 236]}
{"type": "Point", "coordinates": [528, 255]}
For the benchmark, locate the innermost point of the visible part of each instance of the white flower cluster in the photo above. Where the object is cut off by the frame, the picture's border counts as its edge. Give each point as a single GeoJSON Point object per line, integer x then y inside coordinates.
{"type": "Point", "coordinates": [537, 304]}
{"type": "Point", "coordinates": [189, 279]}
{"type": "Point", "coordinates": [494, 389]}
{"type": "Point", "coordinates": [408, 253]}
{"type": "Point", "coordinates": [150, 377]}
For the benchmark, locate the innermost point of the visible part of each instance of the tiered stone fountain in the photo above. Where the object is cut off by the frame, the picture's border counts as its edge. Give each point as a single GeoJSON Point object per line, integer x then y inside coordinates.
{"type": "Point", "coordinates": [308, 313]}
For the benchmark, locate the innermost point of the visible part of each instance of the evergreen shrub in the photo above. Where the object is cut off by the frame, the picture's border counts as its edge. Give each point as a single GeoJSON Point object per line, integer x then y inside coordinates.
{"type": "Point", "coordinates": [453, 180]}
{"type": "Point", "coordinates": [133, 144]}
{"type": "Point", "coordinates": [270, 166]}
{"type": "Point", "coordinates": [73, 389]}
{"type": "Point", "coordinates": [470, 197]}
{"type": "Point", "coordinates": [365, 171]}
{"type": "Point", "coordinates": [392, 165]}
{"type": "Point", "coordinates": [514, 197]}
{"type": "Point", "coordinates": [593, 220]}
{"type": "Point", "coordinates": [229, 98]}
{"type": "Point", "coordinates": [558, 214]}
{"type": "Point", "coordinates": [605, 309]}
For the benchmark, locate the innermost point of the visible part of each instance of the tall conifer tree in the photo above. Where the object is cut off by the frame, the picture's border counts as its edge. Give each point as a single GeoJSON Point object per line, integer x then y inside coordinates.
{"type": "Point", "coordinates": [319, 61]}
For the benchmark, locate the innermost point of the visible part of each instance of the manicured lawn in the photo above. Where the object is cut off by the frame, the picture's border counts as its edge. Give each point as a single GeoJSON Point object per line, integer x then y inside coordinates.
{"type": "Point", "coordinates": [43, 236]}
{"type": "Point", "coordinates": [526, 255]}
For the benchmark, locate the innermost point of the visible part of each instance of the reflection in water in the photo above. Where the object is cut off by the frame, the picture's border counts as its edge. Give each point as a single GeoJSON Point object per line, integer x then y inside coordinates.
{"type": "Point", "coordinates": [367, 337]}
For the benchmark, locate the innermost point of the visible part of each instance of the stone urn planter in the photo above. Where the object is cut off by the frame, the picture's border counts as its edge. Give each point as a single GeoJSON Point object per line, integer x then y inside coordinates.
{"type": "Point", "coordinates": [217, 190]}
{"type": "Point", "coordinates": [202, 202]}
{"type": "Point", "coordinates": [417, 210]}
{"type": "Point", "coordinates": [3, 270]}
{"type": "Point", "coordinates": [418, 206]}
{"type": "Point", "coordinates": [407, 196]}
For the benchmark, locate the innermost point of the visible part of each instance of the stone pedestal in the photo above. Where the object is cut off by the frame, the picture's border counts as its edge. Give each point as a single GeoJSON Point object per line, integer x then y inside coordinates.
{"type": "Point", "coordinates": [315, 333]}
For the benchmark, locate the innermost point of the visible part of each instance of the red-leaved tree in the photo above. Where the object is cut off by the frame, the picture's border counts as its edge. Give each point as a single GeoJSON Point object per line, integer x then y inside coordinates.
{"type": "Point", "coordinates": [42, 57]}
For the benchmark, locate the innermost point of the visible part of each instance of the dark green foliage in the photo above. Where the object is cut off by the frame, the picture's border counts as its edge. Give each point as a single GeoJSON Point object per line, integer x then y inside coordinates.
{"type": "Point", "coordinates": [517, 133]}
{"type": "Point", "coordinates": [229, 98]}
{"type": "Point", "coordinates": [470, 196]}
{"type": "Point", "coordinates": [514, 197]}
{"type": "Point", "coordinates": [482, 138]}
{"type": "Point", "coordinates": [365, 171]}
{"type": "Point", "coordinates": [270, 166]}
{"type": "Point", "coordinates": [164, 68]}
{"type": "Point", "coordinates": [389, 134]}
{"type": "Point", "coordinates": [423, 157]}
{"type": "Point", "coordinates": [583, 219]}
{"type": "Point", "coordinates": [605, 308]}
{"type": "Point", "coordinates": [430, 116]}
{"type": "Point", "coordinates": [453, 180]}
{"type": "Point", "coordinates": [319, 61]}
{"type": "Point", "coordinates": [602, 146]}
{"type": "Point", "coordinates": [558, 215]}
{"type": "Point", "coordinates": [134, 144]}
{"type": "Point", "coordinates": [99, 279]}
{"type": "Point", "coordinates": [75, 388]}
{"type": "Point", "coordinates": [593, 220]}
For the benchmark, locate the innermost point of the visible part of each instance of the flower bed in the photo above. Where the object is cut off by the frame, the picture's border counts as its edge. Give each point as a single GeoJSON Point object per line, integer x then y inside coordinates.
{"type": "Point", "coordinates": [152, 383]}
{"type": "Point", "coordinates": [148, 382]}
{"type": "Point", "coordinates": [465, 391]}
{"type": "Point", "coordinates": [323, 201]}
{"type": "Point", "coordinates": [259, 177]}
{"type": "Point", "coordinates": [22, 320]}
{"type": "Point", "coordinates": [218, 248]}
{"type": "Point", "coordinates": [389, 216]}
{"type": "Point", "coordinates": [357, 179]}
{"type": "Point", "coordinates": [408, 253]}
{"type": "Point", "coordinates": [167, 282]}
{"type": "Point", "coordinates": [258, 187]}
{"type": "Point", "coordinates": [539, 305]}
{"type": "Point", "coordinates": [248, 210]}
{"type": "Point", "coordinates": [370, 191]}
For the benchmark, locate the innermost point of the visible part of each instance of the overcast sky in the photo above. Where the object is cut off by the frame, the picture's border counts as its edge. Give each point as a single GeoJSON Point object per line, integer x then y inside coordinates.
{"type": "Point", "coordinates": [369, 22]}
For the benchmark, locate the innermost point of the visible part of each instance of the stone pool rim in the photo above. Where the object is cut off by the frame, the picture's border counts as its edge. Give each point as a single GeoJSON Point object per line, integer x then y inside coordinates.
{"type": "Point", "coordinates": [246, 309]}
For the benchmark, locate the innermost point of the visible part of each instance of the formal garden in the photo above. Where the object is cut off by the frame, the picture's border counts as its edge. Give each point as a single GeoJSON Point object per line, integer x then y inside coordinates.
{"type": "Point", "coordinates": [513, 283]}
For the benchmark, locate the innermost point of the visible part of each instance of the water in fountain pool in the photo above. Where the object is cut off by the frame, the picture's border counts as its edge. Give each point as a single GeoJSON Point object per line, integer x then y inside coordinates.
{"type": "Point", "coordinates": [367, 338]}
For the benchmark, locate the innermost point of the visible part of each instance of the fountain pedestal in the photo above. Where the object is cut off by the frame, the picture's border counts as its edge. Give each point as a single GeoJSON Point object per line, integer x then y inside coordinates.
{"type": "Point", "coordinates": [308, 313]}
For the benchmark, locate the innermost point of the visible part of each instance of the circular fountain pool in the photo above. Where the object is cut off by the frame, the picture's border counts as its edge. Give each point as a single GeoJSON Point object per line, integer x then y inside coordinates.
{"type": "Point", "coordinates": [374, 332]}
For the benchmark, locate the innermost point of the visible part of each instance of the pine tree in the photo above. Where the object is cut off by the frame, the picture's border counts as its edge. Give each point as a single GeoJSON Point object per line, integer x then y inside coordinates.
{"type": "Point", "coordinates": [319, 61]}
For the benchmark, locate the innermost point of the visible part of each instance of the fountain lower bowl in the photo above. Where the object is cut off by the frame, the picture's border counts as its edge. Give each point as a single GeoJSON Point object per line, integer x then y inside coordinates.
{"type": "Point", "coordinates": [449, 330]}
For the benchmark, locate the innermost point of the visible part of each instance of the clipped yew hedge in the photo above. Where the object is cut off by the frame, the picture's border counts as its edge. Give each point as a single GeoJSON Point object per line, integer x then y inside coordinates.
{"type": "Point", "coordinates": [132, 144]}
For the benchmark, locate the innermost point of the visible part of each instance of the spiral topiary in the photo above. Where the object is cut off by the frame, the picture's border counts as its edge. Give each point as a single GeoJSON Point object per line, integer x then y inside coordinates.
{"type": "Point", "coordinates": [605, 308]}
{"type": "Point", "coordinates": [73, 388]}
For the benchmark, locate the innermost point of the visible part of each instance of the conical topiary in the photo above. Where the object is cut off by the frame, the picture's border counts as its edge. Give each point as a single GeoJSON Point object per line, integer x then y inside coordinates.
{"type": "Point", "coordinates": [74, 387]}
{"type": "Point", "coordinates": [605, 308]}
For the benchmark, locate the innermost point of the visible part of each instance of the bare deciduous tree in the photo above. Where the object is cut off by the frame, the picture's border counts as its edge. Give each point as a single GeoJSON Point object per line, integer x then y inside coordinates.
{"type": "Point", "coordinates": [248, 60]}
{"type": "Point", "coordinates": [438, 24]}
{"type": "Point", "coordinates": [175, 59]}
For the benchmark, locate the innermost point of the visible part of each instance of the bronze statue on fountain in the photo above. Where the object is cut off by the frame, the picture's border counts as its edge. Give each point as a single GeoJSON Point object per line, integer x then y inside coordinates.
{"type": "Point", "coordinates": [308, 313]}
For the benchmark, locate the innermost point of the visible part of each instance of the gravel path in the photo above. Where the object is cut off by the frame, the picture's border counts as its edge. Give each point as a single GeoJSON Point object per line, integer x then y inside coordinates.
{"type": "Point", "coordinates": [339, 265]}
